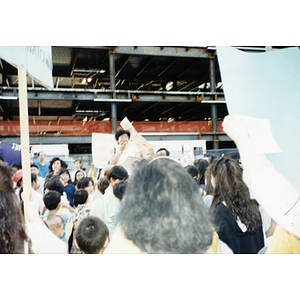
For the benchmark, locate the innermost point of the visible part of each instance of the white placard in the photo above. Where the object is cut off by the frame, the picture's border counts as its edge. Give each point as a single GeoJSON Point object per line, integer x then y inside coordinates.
{"type": "Point", "coordinates": [37, 60]}
{"type": "Point", "coordinates": [102, 147]}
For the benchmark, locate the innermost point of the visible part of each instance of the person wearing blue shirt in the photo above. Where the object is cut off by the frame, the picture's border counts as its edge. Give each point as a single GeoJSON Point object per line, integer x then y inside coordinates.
{"type": "Point", "coordinates": [42, 164]}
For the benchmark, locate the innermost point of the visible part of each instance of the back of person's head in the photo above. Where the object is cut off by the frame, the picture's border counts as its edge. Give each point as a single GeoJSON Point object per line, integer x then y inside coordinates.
{"type": "Point", "coordinates": [203, 164]}
{"type": "Point", "coordinates": [209, 189]}
{"type": "Point", "coordinates": [193, 171]}
{"type": "Point", "coordinates": [121, 132]}
{"type": "Point", "coordinates": [84, 182]}
{"type": "Point", "coordinates": [91, 235]}
{"type": "Point", "coordinates": [234, 154]}
{"type": "Point", "coordinates": [17, 165]}
{"type": "Point", "coordinates": [1, 158]}
{"type": "Point", "coordinates": [55, 184]}
{"type": "Point", "coordinates": [230, 188]}
{"type": "Point", "coordinates": [33, 179]}
{"type": "Point", "coordinates": [55, 223]}
{"type": "Point", "coordinates": [210, 157]}
{"type": "Point", "coordinates": [163, 211]}
{"type": "Point", "coordinates": [51, 199]}
{"type": "Point", "coordinates": [162, 152]}
{"type": "Point", "coordinates": [117, 172]}
{"type": "Point", "coordinates": [120, 188]}
{"type": "Point", "coordinates": [12, 227]}
{"type": "Point", "coordinates": [102, 184]}
{"type": "Point", "coordinates": [80, 196]}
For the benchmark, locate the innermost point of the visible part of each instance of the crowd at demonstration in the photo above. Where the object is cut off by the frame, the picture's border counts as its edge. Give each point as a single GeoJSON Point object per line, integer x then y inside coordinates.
{"type": "Point", "coordinates": [235, 203]}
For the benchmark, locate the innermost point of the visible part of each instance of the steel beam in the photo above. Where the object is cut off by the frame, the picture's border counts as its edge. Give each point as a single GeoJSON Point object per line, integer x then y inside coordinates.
{"type": "Point", "coordinates": [112, 86]}
{"type": "Point", "coordinates": [89, 95]}
{"type": "Point", "coordinates": [165, 51]}
{"type": "Point", "coordinates": [194, 52]}
{"type": "Point", "coordinates": [214, 113]}
{"type": "Point", "coordinates": [68, 139]}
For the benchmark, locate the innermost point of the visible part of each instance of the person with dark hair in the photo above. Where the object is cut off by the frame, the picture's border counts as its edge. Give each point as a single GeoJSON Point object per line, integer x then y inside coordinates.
{"type": "Point", "coordinates": [55, 165]}
{"type": "Point", "coordinates": [16, 237]}
{"type": "Point", "coordinates": [119, 192]}
{"type": "Point", "coordinates": [209, 157]}
{"type": "Point", "coordinates": [78, 167]}
{"type": "Point", "coordinates": [163, 213]}
{"type": "Point", "coordinates": [263, 179]}
{"type": "Point", "coordinates": [96, 205]}
{"type": "Point", "coordinates": [234, 154]}
{"type": "Point", "coordinates": [42, 164]}
{"type": "Point", "coordinates": [54, 184]}
{"type": "Point", "coordinates": [91, 235]}
{"type": "Point", "coordinates": [125, 148]}
{"type": "Point", "coordinates": [53, 203]}
{"type": "Point", "coordinates": [110, 203]}
{"type": "Point", "coordinates": [237, 217]}
{"type": "Point", "coordinates": [83, 209]}
{"type": "Point", "coordinates": [103, 184]}
{"type": "Point", "coordinates": [34, 169]}
{"type": "Point", "coordinates": [1, 158]}
{"type": "Point", "coordinates": [69, 188]}
{"type": "Point", "coordinates": [13, 236]}
{"type": "Point", "coordinates": [162, 152]}
{"type": "Point", "coordinates": [203, 164]}
{"type": "Point", "coordinates": [88, 184]}
{"type": "Point", "coordinates": [16, 166]}
{"type": "Point", "coordinates": [17, 179]}
{"type": "Point", "coordinates": [78, 175]}
{"type": "Point", "coordinates": [193, 171]}
{"type": "Point", "coordinates": [80, 197]}
{"type": "Point", "coordinates": [209, 189]}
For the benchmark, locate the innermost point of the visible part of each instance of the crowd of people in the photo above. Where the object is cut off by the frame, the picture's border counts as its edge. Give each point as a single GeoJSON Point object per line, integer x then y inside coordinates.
{"type": "Point", "coordinates": [163, 207]}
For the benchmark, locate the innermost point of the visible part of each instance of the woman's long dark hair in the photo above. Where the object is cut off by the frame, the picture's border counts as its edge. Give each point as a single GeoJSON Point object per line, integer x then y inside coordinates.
{"type": "Point", "coordinates": [12, 227]}
{"type": "Point", "coordinates": [230, 187]}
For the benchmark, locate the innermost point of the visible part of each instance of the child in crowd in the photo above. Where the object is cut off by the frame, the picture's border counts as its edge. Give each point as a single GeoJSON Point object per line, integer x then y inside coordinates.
{"type": "Point", "coordinates": [55, 223]}
{"type": "Point", "coordinates": [88, 184]}
{"type": "Point", "coordinates": [91, 235]}
{"type": "Point", "coordinates": [53, 203]}
{"type": "Point", "coordinates": [82, 207]}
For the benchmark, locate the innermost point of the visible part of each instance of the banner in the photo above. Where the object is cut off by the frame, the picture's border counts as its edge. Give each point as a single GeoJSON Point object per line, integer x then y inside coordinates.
{"type": "Point", "coordinates": [10, 152]}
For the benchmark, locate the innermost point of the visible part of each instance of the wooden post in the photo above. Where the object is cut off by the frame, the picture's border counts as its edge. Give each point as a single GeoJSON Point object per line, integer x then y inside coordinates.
{"type": "Point", "coordinates": [24, 133]}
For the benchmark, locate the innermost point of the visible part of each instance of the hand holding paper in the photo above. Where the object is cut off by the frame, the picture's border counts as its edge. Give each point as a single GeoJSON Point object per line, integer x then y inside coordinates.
{"type": "Point", "coordinates": [143, 145]}
{"type": "Point", "coordinates": [233, 126]}
{"type": "Point", "coordinates": [259, 131]}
